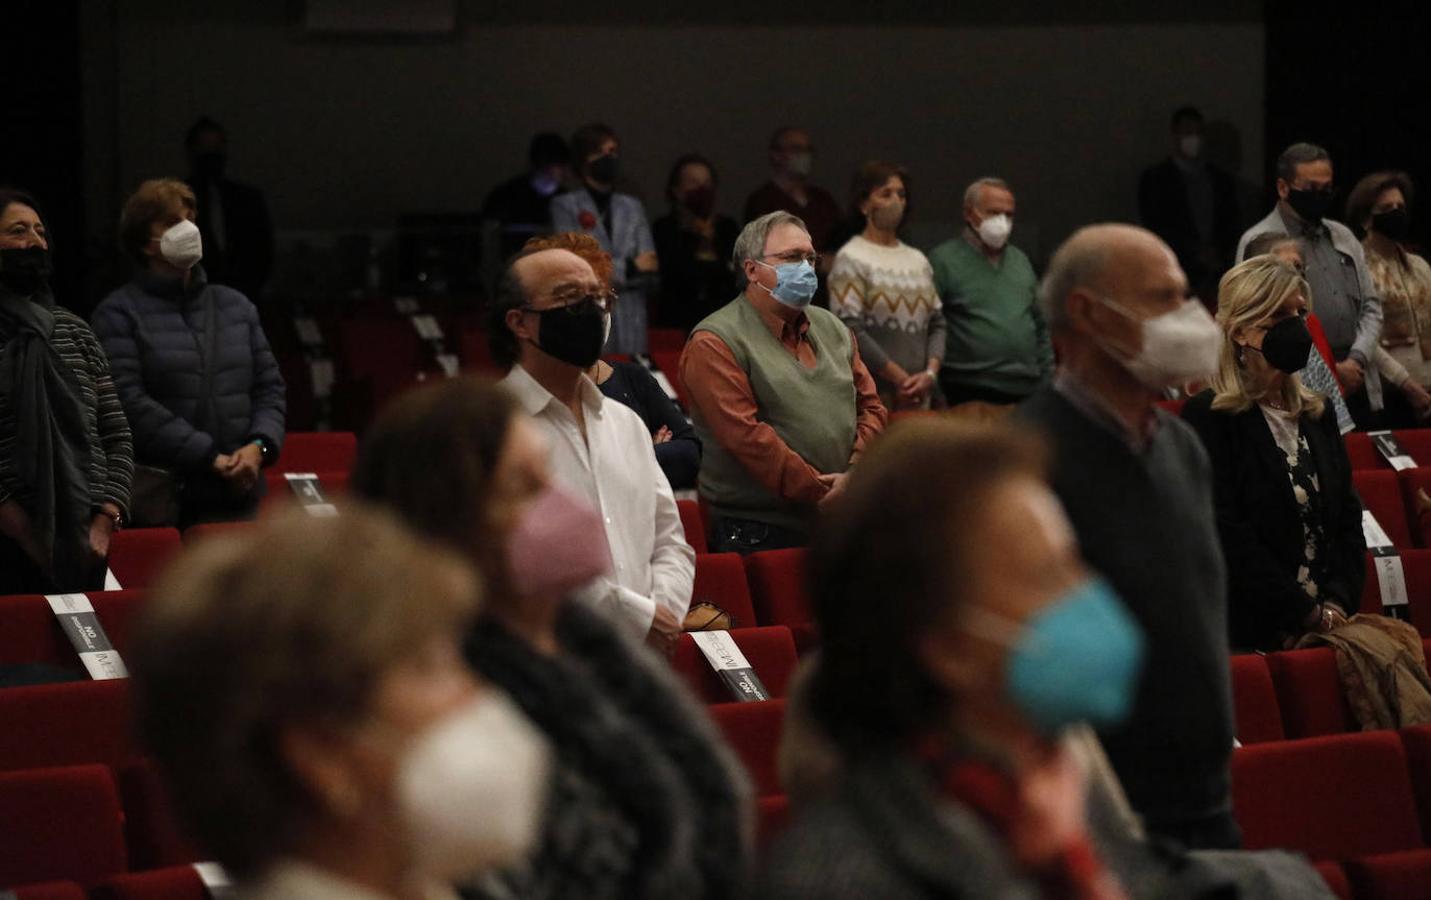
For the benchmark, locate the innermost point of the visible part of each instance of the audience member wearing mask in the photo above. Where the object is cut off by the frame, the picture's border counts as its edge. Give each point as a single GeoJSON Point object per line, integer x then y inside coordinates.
{"type": "Point", "coordinates": [693, 242]}
{"type": "Point", "coordinates": [792, 161]}
{"type": "Point", "coordinates": [193, 368]}
{"type": "Point", "coordinates": [1380, 205]}
{"type": "Point", "coordinates": [521, 205]}
{"type": "Point", "coordinates": [645, 801]}
{"type": "Point", "coordinates": [677, 451]}
{"type": "Point", "coordinates": [1289, 519]}
{"type": "Point", "coordinates": [998, 349]}
{"type": "Point", "coordinates": [1192, 205]}
{"type": "Point", "coordinates": [232, 217]}
{"type": "Point", "coordinates": [1319, 375]}
{"type": "Point", "coordinates": [883, 289]}
{"type": "Point", "coordinates": [938, 744]}
{"type": "Point", "coordinates": [301, 687]}
{"type": "Point", "coordinates": [782, 403]}
{"type": "Point", "coordinates": [618, 221]}
{"type": "Point", "coordinates": [1137, 487]}
{"type": "Point", "coordinates": [1347, 302]}
{"type": "Point", "coordinates": [547, 322]}
{"type": "Point", "coordinates": [66, 458]}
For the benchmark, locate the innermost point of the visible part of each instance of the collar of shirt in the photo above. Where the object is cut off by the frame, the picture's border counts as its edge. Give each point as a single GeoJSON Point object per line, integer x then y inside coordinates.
{"type": "Point", "coordinates": [1102, 413]}
{"type": "Point", "coordinates": [788, 333]}
{"type": "Point", "coordinates": [535, 399]}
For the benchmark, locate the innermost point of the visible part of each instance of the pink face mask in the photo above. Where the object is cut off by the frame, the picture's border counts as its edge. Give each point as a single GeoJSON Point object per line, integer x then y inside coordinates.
{"type": "Point", "coordinates": [558, 546]}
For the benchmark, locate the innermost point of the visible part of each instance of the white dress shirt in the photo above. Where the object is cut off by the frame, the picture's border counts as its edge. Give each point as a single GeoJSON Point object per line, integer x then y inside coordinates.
{"type": "Point", "coordinates": [615, 469]}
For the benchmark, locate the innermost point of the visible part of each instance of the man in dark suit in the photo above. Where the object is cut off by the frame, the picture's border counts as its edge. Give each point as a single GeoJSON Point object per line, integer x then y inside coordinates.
{"type": "Point", "coordinates": [1192, 206]}
{"type": "Point", "coordinates": [233, 217]}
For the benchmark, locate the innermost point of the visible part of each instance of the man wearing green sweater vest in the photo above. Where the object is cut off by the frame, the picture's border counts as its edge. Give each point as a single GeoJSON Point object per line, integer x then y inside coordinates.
{"type": "Point", "coordinates": [997, 348]}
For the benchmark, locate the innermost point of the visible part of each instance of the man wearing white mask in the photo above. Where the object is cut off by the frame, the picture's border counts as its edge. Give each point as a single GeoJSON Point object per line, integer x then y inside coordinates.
{"type": "Point", "coordinates": [996, 348]}
{"type": "Point", "coordinates": [193, 368]}
{"type": "Point", "coordinates": [1136, 484]}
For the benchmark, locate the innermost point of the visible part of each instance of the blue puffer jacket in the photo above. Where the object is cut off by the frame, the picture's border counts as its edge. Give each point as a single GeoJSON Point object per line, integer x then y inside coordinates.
{"type": "Point", "coordinates": [153, 332]}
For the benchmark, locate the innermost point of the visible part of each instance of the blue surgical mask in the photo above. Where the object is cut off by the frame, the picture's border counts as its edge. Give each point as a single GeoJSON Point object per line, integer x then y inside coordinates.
{"type": "Point", "coordinates": [795, 283]}
{"type": "Point", "coordinates": [1077, 660]}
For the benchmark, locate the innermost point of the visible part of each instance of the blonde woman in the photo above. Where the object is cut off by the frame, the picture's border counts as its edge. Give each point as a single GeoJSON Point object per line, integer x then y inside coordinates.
{"type": "Point", "coordinates": [1289, 521]}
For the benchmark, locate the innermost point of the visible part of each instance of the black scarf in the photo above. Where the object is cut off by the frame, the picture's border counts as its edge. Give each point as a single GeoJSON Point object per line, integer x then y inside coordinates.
{"type": "Point", "coordinates": [52, 449]}
{"type": "Point", "coordinates": [646, 802]}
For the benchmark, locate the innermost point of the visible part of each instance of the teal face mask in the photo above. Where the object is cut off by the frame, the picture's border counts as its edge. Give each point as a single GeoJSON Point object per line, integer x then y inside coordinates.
{"type": "Point", "coordinates": [1076, 660]}
{"type": "Point", "coordinates": [795, 283]}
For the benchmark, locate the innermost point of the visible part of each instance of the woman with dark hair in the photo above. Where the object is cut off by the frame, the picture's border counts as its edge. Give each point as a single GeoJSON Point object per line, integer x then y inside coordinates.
{"type": "Point", "coordinates": [694, 244]}
{"type": "Point", "coordinates": [645, 801]}
{"type": "Point", "coordinates": [66, 459]}
{"type": "Point", "coordinates": [1380, 205]}
{"type": "Point", "coordinates": [883, 289]}
{"type": "Point", "coordinates": [193, 367]}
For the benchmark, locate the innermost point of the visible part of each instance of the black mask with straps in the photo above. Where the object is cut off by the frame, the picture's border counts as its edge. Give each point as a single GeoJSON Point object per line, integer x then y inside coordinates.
{"type": "Point", "coordinates": [1287, 345]}
{"type": "Point", "coordinates": [573, 334]}
{"type": "Point", "coordinates": [25, 270]}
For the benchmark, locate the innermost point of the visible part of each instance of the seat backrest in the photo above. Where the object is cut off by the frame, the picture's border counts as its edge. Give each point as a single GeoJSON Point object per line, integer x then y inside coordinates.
{"type": "Point", "coordinates": [1254, 700]}
{"type": "Point", "coordinates": [1380, 492]}
{"type": "Point", "coordinates": [65, 724]}
{"type": "Point", "coordinates": [50, 890]}
{"type": "Point", "coordinates": [1309, 692]}
{"type": "Point", "coordinates": [1391, 876]}
{"type": "Point", "coordinates": [1333, 797]}
{"type": "Point", "coordinates": [211, 529]}
{"type": "Point", "coordinates": [155, 835]}
{"type": "Point", "coordinates": [693, 524]}
{"type": "Point", "coordinates": [29, 632]}
{"type": "Point", "coordinates": [317, 451]}
{"type": "Point", "coordinates": [753, 731]}
{"type": "Point", "coordinates": [138, 555]}
{"type": "Point", "coordinates": [1416, 740]}
{"type": "Point", "coordinates": [769, 650]}
{"type": "Point", "coordinates": [666, 340]}
{"type": "Point", "coordinates": [772, 814]}
{"type": "Point", "coordinates": [721, 580]}
{"type": "Point", "coordinates": [1417, 444]}
{"type": "Point", "coordinates": [668, 363]}
{"type": "Point", "coordinates": [60, 824]}
{"type": "Point", "coordinates": [777, 587]}
{"type": "Point", "coordinates": [1363, 453]}
{"type": "Point", "coordinates": [1418, 514]}
{"type": "Point", "coordinates": [170, 883]}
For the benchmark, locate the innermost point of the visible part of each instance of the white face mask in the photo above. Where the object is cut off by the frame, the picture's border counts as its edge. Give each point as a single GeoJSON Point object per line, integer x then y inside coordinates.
{"type": "Point", "coordinates": [605, 330]}
{"type": "Point", "coordinates": [181, 246]}
{"type": "Point", "coordinates": [1178, 347]}
{"type": "Point", "coordinates": [473, 789]}
{"type": "Point", "coordinates": [994, 231]}
{"type": "Point", "coordinates": [1190, 145]}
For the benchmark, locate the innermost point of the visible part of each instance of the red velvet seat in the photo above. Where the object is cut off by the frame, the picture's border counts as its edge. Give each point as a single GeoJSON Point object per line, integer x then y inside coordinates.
{"type": "Point", "coordinates": [1414, 481]}
{"type": "Point", "coordinates": [1336, 878]}
{"type": "Point", "coordinates": [777, 587]}
{"type": "Point", "coordinates": [152, 828]}
{"type": "Point", "coordinates": [1331, 797]}
{"type": "Point", "coordinates": [1363, 453]}
{"type": "Point", "coordinates": [693, 524]}
{"type": "Point", "coordinates": [317, 451]}
{"type": "Point", "coordinates": [138, 555]}
{"type": "Point", "coordinates": [60, 824]}
{"type": "Point", "coordinates": [1309, 692]}
{"type": "Point", "coordinates": [753, 731]}
{"type": "Point", "coordinates": [50, 890]}
{"type": "Point", "coordinates": [475, 352]}
{"type": "Point", "coordinates": [721, 580]}
{"type": "Point", "coordinates": [1172, 407]}
{"type": "Point", "coordinates": [1380, 492]}
{"type": "Point", "coordinates": [1254, 700]}
{"type": "Point", "coordinates": [1416, 568]}
{"type": "Point", "coordinates": [29, 632]}
{"type": "Point", "coordinates": [665, 340]}
{"type": "Point", "coordinates": [171, 883]}
{"type": "Point", "coordinates": [1416, 740]}
{"type": "Point", "coordinates": [772, 815]}
{"type": "Point", "coordinates": [1391, 876]}
{"type": "Point", "coordinates": [668, 363]}
{"type": "Point", "coordinates": [770, 652]}
{"type": "Point", "coordinates": [382, 352]}
{"type": "Point", "coordinates": [65, 724]}
{"type": "Point", "coordinates": [1416, 442]}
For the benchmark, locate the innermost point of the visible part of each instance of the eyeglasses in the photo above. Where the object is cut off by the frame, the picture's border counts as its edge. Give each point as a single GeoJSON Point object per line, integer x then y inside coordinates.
{"type": "Point", "coordinates": [796, 257]}
{"type": "Point", "coordinates": [575, 303]}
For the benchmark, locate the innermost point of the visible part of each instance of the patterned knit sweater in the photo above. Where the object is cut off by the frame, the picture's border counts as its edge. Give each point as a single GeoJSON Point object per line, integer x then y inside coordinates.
{"type": "Point", "coordinates": [886, 296]}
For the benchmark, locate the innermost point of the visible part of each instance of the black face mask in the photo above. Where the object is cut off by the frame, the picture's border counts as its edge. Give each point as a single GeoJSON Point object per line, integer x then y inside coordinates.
{"type": "Point", "coordinates": [210, 166]}
{"type": "Point", "coordinates": [573, 334]}
{"type": "Point", "coordinates": [604, 169]}
{"type": "Point", "coordinates": [1312, 205]}
{"type": "Point", "coordinates": [1394, 223]}
{"type": "Point", "coordinates": [1287, 345]}
{"type": "Point", "coordinates": [25, 271]}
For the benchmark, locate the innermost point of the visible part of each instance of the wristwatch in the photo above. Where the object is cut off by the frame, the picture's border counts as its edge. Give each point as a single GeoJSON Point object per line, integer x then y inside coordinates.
{"type": "Point", "coordinates": [265, 450]}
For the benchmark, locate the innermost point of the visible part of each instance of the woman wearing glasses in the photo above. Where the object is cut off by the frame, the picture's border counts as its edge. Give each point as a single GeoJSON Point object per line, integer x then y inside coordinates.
{"type": "Point", "coordinates": [883, 289]}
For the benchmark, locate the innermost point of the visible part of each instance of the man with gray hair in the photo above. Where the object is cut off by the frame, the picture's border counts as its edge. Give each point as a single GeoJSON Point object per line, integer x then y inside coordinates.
{"type": "Point", "coordinates": [997, 348]}
{"type": "Point", "coordinates": [780, 399]}
{"type": "Point", "coordinates": [1343, 295]}
{"type": "Point", "coordinates": [1137, 486]}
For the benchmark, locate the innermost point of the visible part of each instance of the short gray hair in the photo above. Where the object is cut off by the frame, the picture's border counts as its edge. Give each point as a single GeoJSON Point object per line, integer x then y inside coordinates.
{"type": "Point", "coordinates": [1268, 242]}
{"type": "Point", "coordinates": [1078, 262]}
{"type": "Point", "coordinates": [1296, 155]}
{"type": "Point", "coordinates": [751, 242]}
{"type": "Point", "coordinates": [971, 193]}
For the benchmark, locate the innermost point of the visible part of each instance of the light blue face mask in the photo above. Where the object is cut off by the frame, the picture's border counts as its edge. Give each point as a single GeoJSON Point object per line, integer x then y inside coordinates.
{"type": "Point", "coordinates": [1076, 660]}
{"type": "Point", "coordinates": [795, 283]}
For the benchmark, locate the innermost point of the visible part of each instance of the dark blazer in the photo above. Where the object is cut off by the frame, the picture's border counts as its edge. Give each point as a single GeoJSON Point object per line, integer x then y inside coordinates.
{"type": "Point", "coordinates": [1164, 210]}
{"type": "Point", "coordinates": [244, 260]}
{"type": "Point", "coordinates": [1259, 524]}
